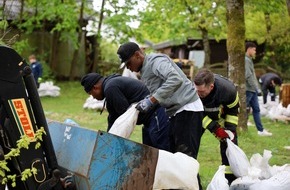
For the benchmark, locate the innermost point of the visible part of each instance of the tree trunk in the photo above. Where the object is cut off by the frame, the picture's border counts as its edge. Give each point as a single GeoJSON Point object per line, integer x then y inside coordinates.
{"type": "Point", "coordinates": [288, 6]}
{"type": "Point", "coordinates": [76, 51]}
{"type": "Point", "coordinates": [97, 51]}
{"type": "Point", "coordinates": [236, 53]}
{"type": "Point", "coordinates": [54, 50]}
{"type": "Point", "coordinates": [206, 46]}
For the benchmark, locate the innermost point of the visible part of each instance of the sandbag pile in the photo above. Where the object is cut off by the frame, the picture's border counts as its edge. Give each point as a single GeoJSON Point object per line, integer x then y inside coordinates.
{"type": "Point", "coordinates": [253, 174]}
{"type": "Point", "coordinates": [48, 89]}
{"type": "Point", "coordinates": [273, 109]}
{"type": "Point", "coordinates": [94, 104]}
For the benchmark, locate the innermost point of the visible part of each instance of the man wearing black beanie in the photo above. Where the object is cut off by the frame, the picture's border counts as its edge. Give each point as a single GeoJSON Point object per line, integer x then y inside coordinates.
{"type": "Point", "coordinates": [120, 92]}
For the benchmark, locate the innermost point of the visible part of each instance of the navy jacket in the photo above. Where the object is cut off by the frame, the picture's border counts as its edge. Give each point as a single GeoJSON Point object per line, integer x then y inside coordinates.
{"type": "Point", "coordinates": [120, 92]}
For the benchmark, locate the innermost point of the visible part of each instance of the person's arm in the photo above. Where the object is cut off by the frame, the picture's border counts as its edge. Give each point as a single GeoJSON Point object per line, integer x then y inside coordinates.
{"type": "Point", "coordinates": [117, 104]}
{"type": "Point", "coordinates": [250, 75]}
{"type": "Point", "coordinates": [231, 110]}
{"type": "Point", "coordinates": [172, 79]}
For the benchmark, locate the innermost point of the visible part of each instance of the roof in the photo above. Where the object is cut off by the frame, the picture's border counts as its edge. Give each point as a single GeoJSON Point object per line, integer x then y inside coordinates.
{"type": "Point", "coordinates": [168, 43]}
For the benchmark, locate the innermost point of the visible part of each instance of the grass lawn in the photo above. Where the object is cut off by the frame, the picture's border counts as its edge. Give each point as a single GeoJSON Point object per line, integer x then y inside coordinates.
{"type": "Point", "coordinates": [70, 105]}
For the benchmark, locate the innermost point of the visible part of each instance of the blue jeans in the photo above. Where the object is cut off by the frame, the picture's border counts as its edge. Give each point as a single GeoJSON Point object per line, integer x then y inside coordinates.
{"type": "Point", "coordinates": [252, 101]}
{"type": "Point", "coordinates": [156, 134]}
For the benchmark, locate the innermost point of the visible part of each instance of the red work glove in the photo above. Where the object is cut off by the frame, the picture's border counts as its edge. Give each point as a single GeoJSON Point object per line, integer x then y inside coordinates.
{"type": "Point", "coordinates": [220, 133]}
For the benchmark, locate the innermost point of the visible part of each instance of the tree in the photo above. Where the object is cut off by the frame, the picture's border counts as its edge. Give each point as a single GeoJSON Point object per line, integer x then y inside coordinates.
{"type": "Point", "coordinates": [79, 39]}
{"type": "Point", "coordinates": [183, 19]}
{"type": "Point", "coordinates": [236, 53]}
{"type": "Point", "coordinates": [268, 22]}
{"type": "Point", "coordinates": [288, 6]}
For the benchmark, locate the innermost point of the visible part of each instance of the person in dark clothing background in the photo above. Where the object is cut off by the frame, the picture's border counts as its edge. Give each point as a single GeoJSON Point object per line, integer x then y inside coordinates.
{"type": "Point", "coordinates": [36, 68]}
{"type": "Point", "coordinates": [268, 82]}
{"type": "Point", "coordinates": [120, 92]}
{"type": "Point", "coordinates": [221, 107]}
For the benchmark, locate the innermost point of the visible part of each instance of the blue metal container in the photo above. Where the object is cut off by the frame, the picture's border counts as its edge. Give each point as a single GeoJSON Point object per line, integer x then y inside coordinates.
{"type": "Point", "coordinates": [102, 161]}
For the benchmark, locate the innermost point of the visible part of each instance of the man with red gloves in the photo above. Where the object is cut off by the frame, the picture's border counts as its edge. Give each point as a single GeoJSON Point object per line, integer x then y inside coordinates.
{"type": "Point", "coordinates": [221, 106]}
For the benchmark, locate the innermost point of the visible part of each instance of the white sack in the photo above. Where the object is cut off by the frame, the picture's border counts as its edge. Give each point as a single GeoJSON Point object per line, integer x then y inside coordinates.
{"type": "Point", "coordinates": [125, 124]}
{"type": "Point", "coordinates": [261, 163]}
{"type": "Point", "coordinates": [48, 89]}
{"type": "Point", "coordinates": [176, 171]}
{"type": "Point", "coordinates": [244, 181]}
{"type": "Point", "coordinates": [238, 160]}
{"type": "Point", "coordinates": [280, 181]}
{"type": "Point", "coordinates": [219, 180]}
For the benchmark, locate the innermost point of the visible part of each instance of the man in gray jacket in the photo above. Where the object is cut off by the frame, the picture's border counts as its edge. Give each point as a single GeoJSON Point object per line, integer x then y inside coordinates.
{"type": "Point", "coordinates": [252, 88]}
{"type": "Point", "coordinates": [170, 88]}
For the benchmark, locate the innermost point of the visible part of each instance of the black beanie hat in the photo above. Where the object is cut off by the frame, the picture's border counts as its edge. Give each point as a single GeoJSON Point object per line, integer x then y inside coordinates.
{"type": "Point", "coordinates": [89, 80]}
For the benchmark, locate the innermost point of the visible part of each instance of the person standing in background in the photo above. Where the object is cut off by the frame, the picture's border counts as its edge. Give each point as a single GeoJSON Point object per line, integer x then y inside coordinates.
{"type": "Point", "coordinates": [268, 82]}
{"type": "Point", "coordinates": [36, 68]}
{"type": "Point", "coordinates": [252, 88]}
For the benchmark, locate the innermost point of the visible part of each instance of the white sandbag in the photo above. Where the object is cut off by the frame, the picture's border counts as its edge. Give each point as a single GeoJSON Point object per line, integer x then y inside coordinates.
{"type": "Point", "coordinates": [92, 103]}
{"type": "Point", "coordinates": [176, 171]}
{"type": "Point", "coordinates": [48, 89]}
{"type": "Point", "coordinates": [243, 182]}
{"type": "Point", "coordinates": [261, 163]}
{"type": "Point", "coordinates": [219, 180]}
{"type": "Point", "coordinates": [129, 73]}
{"type": "Point", "coordinates": [280, 181]}
{"type": "Point", "coordinates": [275, 169]}
{"type": "Point", "coordinates": [125, 124]}
{"type": "Point", "coordinates": [238, 160]}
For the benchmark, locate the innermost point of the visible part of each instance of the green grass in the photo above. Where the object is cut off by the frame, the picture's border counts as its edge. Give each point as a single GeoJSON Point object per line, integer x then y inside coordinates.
{"type": "Point", "coordinates": [70, 105]}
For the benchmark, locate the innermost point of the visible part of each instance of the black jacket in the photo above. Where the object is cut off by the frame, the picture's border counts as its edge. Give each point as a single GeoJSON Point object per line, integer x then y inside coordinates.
{"type": "Point", "coordinates": [120, 92]}
{"type": "Point", "coordinates": [222, 102]}
{"type": "Point", "coordinates": [266, 79]}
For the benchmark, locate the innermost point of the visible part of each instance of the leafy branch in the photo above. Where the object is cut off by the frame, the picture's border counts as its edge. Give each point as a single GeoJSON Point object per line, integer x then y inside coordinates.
{"type": "Point", "coordinates": [23, 142]}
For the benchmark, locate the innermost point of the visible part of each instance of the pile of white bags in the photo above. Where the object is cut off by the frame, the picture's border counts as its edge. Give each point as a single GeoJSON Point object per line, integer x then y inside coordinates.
{"type": "Point", "coordinates": [255, 174]}
{"type": "Point", "coordinates": [273, 109]}
{"type": "Point", "coordinates": [48, 89]}
{"type": "Point", "coordinates": [94, 104]}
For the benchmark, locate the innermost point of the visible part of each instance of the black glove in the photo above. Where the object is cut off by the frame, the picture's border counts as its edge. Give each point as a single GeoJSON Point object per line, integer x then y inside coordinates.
{"type": "Point", "coordinates": [145, 105]}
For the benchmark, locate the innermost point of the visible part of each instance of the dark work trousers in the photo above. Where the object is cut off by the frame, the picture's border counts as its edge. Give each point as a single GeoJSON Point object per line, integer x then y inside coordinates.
{"type": "Point", "coordinates": [156, 134]}
{"type": "Point", "coordinates": [223, 147]}
{"type": "Point", "coordinates": [272, 91]}
{"type": "Point", "coordinates": [185, 133]}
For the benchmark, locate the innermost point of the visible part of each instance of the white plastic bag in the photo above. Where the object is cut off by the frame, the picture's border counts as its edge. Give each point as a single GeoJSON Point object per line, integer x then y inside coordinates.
{"type": "Point", "coordinates": [280, 181]}
{"type": "Point", "coordinates": [125, 124]}
{"type": "Point", "coordinates": [244, 182]}
{"type": "Point", "coordinates": [219, 181]}
{"type": "Point", "coordinates": [238, 160]}
{"type": "Point", "coordinates": [176, 171]}
{"type": "Point", "coordinates": [261, 163]}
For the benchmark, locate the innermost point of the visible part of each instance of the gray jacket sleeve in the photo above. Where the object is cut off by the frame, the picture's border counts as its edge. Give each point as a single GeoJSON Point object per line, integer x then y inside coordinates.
{"type": "Point", "coordinates": [251, 81]}
{"type": "Point", "coordinates": [172, 80]}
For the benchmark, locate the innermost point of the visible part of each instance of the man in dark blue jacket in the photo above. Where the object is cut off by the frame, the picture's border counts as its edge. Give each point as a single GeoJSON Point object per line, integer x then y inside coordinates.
{"type": "Point", "coordinates": [36, 68]}
{"type": "Point", "coordinates": [268, 82]}
{"type": "Point", "coordinates": [120, 92]}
